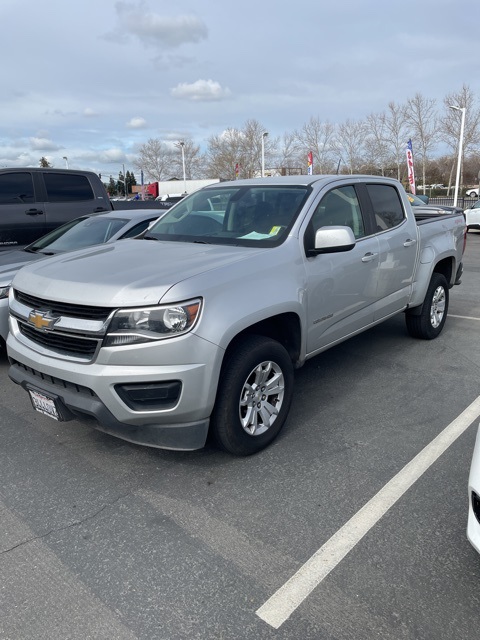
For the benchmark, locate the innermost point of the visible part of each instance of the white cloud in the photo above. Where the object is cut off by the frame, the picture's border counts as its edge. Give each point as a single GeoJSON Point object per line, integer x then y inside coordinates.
{"type": "Point", "coordinates": [200, 91]}
{"type": "Point", "coordinates": [137, 123]}
{"type": "Point", "coordinates": [160, 31]}
{"type": "Point", "coordinates": [44, 144]}
{"type": "Point", "coordinates": [111, 155]}
{"type": "Point", "coordinates": [89, 113]}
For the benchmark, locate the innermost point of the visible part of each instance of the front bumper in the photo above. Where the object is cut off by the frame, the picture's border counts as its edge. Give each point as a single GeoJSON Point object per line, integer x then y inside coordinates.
{"type": "Point", "coordinates": [90, 391]}
{"type": "Point", "coordinates": [473, 525]}
{"type": "Point", "coordinates": [4, 318]}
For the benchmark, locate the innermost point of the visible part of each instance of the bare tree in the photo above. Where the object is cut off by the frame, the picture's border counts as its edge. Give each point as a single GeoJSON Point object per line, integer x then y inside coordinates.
{"type": "Point", "coordinates": [376, 145]}
{"type": "Point", "coordinates": [450, 123]}
{"type": "Point", "coordinates": [225, 153]}
{"type": "Point", "coordinates": [377, 153]}
{"type": "Point", "coordinates": [289, 158]}
{"type": "Point", "coordinates": [318, 137]}
{"type": "Point", "coordinates": [192, 156]}
{"type": "Point", "coordinates": [238, 152]}
{"type": "Point", "coordinates": [396, 134]}
{"type": "Point", "coordinates": [422, 118]}
{"type": "Point", "coordinates": [349, 142]}
{"type": "Point", "coordinates": [252, 134]}
{"type": "Point", "coordinates": [155, 159]}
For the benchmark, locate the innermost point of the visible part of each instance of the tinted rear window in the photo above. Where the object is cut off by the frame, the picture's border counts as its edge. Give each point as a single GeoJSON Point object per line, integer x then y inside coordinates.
{"type": "Point", "coordinates": [16, 188]}
{"type": "Point", "coordinates": [63, 187]}
{"type": "Point", "coordinates": [387, 206]}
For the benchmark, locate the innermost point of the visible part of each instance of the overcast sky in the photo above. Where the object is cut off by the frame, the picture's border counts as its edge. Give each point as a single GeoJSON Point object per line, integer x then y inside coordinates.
{"type": "Point", "coordinates": [92, 80]}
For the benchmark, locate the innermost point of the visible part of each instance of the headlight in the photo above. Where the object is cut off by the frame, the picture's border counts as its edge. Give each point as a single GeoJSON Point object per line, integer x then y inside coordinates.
{"type": "Point", "coordinates": [134, 326]}
{"type": "Point", "coordinates": [4, 291]}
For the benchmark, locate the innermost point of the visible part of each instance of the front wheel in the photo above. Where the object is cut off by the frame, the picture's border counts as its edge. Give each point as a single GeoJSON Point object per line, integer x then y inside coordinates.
{"type": "Point", "coordinates": [429, 323]}
{"type": "Point", "coordinates": [254, 395]}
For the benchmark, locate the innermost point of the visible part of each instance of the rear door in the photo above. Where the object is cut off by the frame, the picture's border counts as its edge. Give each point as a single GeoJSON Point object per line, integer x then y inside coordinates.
{"type": "Point", "coordinates": [398, 246]}
{"type": "Point", "coordinates": [22, 217]}
{"type": "Point", "coordinates": [68, 196]}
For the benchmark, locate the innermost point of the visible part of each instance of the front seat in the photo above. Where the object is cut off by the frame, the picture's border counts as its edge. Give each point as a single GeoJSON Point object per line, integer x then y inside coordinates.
{"type": "Point", "coordinates": [263, 217]}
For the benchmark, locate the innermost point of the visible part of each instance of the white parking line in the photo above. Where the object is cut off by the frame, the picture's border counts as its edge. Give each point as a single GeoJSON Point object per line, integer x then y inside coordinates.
{"type": "Point", "coordinates": [285, 601]}
{"type": "Point", "coordinates": [450, 315]}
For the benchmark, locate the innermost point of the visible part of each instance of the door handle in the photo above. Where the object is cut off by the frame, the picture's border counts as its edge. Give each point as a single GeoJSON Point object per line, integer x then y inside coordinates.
{"type": "Point", "coordinates": [409, 242]}
{"type": "Point", "coordinates": [368, 257]}
{"type": "Point", "coordinates": [33, 212]}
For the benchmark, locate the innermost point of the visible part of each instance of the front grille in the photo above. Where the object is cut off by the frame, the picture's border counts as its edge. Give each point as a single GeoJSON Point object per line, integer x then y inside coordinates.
{"type": "Point", "coordinates": [61, 343]}
{"type": "Point", "coordinates": [63, 308]}
{"type": "Point", "coordinates": [476, 505]}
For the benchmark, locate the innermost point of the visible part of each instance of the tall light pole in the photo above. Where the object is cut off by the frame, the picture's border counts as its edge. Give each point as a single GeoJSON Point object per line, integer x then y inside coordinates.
{"type": "Point", "coordinates": [264, 135]}
{"type": "Point", "coordinates": [182, 146]}
{"type": "Point", "coordinates": [66, 161]}
{"type": "Point", "coordinates": [460, 151]}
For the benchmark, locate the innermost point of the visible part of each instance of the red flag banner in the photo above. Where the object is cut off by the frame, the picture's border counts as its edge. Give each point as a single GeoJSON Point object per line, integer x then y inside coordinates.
{"type": "Point", "coordinates": [411, 171]}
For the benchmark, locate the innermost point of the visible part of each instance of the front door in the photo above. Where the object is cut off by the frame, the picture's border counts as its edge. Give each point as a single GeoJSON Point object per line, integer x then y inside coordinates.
{"type": "Point", "coordinates": [341, 287]}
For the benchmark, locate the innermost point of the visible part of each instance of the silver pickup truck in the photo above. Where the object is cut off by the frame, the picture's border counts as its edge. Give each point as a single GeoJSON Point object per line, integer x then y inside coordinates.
{"type": "Point", "coordinates": [198, 326]}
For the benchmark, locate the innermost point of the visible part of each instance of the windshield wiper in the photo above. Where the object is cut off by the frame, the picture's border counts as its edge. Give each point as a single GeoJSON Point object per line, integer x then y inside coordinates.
{"type": "Point", "coordinates": [148, 238]}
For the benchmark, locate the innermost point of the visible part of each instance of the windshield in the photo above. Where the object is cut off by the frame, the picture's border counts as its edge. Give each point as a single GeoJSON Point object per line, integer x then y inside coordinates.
{"type": "Point", "coordinates": [244, 216]}
{"type": "Point", "coordinates": [77, 234]}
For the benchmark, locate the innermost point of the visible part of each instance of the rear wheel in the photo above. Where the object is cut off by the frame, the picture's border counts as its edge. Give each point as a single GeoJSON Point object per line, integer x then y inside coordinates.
{"type": "Point", "coordinates": [254, 395]}
{"type": "Point", "coordinates": [429, 323]}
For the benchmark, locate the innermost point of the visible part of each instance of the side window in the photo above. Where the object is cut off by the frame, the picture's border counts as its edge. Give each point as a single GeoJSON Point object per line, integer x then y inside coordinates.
{"type": "Point", "coordinates": [16, 188]}
{"type": "Point", "coordinates": [62, 187]}
{"type": "Point", "coordinates": [340, 207]}
{"type": "Point", "coordinates": [387, 206]}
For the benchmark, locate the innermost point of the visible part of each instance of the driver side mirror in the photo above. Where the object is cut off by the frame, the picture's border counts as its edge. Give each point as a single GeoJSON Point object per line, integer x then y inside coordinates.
{"type": "Point", "coordinates": [332, 240]}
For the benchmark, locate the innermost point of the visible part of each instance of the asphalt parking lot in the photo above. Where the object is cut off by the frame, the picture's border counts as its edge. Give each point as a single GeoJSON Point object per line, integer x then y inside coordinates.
{"type": "Point", "coordinates": [103, 539]}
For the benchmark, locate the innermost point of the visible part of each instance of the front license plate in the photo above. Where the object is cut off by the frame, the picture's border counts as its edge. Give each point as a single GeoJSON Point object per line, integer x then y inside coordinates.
{"type": "Point", "coordinates": [44, 404]}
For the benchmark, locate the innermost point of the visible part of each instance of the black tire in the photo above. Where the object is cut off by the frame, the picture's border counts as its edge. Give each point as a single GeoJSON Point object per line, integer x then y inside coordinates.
{"type": "Point", "coordinates": [248, 415]}
{"type": "Point", "coordinates": [429, 323]}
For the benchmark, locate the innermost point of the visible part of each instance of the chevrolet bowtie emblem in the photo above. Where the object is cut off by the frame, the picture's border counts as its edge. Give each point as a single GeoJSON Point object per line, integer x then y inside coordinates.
{"type": "Point", "coordinates": [42, 320]}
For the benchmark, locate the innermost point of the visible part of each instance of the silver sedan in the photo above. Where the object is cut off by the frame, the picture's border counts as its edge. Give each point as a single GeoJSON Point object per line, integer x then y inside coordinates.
{"type": "Point", "coordinates": [86, 231]}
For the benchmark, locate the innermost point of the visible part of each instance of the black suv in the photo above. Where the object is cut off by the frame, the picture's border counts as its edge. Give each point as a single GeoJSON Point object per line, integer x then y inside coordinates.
{"type": "Point", "coordinates": [34, 201]}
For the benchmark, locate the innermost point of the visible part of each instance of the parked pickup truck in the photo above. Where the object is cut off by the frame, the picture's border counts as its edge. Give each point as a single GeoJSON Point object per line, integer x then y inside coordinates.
{"type": "Point", "coordinates": [33, 201]}
{"type": "Point", "coordinates": [199, 325]}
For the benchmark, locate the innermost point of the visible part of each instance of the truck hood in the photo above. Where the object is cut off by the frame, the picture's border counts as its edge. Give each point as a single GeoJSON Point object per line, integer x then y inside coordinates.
{"type": "Point", "coordinates": [125, 273]}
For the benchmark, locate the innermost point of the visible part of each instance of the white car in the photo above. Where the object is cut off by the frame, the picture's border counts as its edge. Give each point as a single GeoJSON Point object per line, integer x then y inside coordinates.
{"type": "Point", "coordinates": [472, 216]}
{"type": "Point", "coordinates": [473, 526]}
{"type": "Point", "coordinates": [472, 193]}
